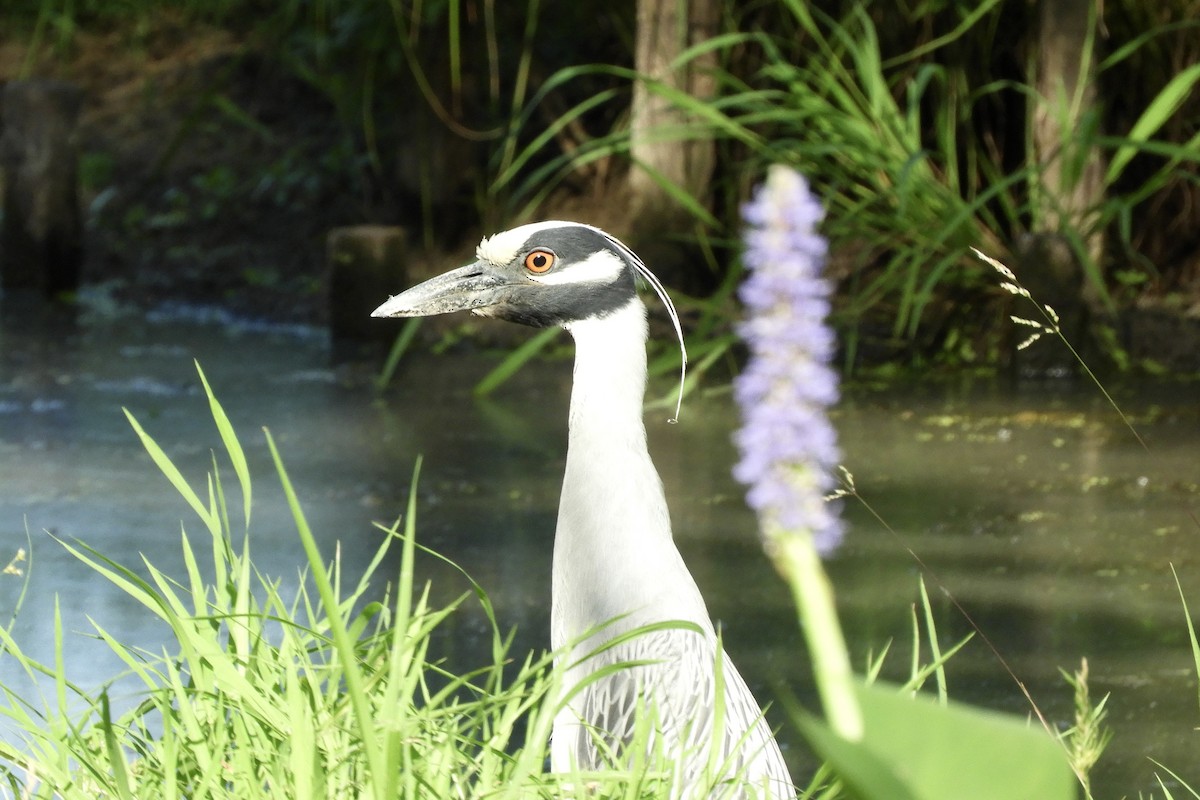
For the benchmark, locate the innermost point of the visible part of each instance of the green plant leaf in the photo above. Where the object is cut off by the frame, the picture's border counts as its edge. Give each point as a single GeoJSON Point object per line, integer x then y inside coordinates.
{"type": "Point", "coordinates": [352, 674]}
{"type": "Point", "coordinates": [916, 748]}
{"type": "Point", "coordinates": [866, 774]}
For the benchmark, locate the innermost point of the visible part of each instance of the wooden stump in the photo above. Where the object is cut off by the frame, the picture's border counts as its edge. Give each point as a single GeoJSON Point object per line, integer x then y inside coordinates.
{"type": "Point", "coordinates": [366, 266]}
{"type": "Point", "coordinates": [41, 240]}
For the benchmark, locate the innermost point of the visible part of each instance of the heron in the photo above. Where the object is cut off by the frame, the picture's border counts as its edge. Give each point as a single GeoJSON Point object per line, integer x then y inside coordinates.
{"type": "Point", "coordinates": [621, 593]}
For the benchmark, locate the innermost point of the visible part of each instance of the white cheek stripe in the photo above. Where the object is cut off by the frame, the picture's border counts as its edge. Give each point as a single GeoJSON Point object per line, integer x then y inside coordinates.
{"type": "Point", "coordinates": [599, 267]}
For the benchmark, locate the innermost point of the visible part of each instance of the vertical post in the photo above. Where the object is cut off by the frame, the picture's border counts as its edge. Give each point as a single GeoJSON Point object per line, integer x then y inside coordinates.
{"type": "Point", "coordinates": [41, 240]}
{"type": "Point", "coordinates": [366, 266]}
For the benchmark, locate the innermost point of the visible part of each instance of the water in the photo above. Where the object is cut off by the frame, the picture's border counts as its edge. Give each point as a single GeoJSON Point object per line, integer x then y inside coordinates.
{"type": "Point", "coordinates": [1035, 509]}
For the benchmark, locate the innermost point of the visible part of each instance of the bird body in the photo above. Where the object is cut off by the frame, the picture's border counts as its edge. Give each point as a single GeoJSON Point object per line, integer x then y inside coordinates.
{"type": "Point", "coordinates": [616, 568]}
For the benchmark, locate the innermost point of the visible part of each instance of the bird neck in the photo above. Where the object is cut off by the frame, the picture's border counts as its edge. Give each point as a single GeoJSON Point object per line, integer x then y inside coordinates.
{"type": "Point", "coordinates": [610, 377]}
{"type": "Point", "coordinates": [613, 551]}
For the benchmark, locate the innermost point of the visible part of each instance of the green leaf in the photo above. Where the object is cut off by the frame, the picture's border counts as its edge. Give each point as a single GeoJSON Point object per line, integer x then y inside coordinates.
{"type": "Point", "coordinates": [1164, 105]}
{"type": "Point", "coordinates": [864, 773]}
{"type": "Point", "coordinates": [916, 748]}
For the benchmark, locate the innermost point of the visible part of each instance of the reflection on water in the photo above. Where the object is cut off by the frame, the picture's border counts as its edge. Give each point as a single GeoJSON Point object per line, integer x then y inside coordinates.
{"type": "Point", "coordinates": [1035, 509]}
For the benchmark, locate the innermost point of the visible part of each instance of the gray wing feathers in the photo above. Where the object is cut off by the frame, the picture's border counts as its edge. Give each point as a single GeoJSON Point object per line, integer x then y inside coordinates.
{"type": "Point", "coordinates": [667, 679]}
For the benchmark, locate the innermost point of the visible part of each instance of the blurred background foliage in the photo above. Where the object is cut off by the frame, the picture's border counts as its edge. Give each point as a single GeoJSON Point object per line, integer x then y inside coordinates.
{"type": "Point", "coordinates": [922, 124]}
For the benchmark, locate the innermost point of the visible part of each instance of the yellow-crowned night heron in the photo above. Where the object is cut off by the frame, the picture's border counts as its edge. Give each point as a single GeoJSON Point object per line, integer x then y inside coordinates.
{"type": "Point", "coordinates": [616, 568]}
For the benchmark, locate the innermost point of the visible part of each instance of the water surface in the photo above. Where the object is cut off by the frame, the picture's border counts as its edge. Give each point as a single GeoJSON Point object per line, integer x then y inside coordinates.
{"type": "Point", "coordinates": [1033, 507]}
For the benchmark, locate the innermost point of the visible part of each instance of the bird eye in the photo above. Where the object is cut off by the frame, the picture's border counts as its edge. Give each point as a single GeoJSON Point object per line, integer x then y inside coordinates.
{"type": "Point", "coordinates": [539, 261]}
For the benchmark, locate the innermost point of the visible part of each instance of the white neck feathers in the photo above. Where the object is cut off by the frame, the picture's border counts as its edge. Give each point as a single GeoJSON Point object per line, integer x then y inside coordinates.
{"type": "Point", "coordinates": [610, 373]}
{"type": "Point", "coordinates": [613, 552]}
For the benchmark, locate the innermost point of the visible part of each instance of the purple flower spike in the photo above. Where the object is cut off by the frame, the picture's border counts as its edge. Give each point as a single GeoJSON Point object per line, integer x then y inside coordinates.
{"type": "Point", "coordinates": [788, 447]}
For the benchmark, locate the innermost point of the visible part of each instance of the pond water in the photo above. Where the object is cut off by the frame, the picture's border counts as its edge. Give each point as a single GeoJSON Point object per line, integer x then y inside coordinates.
{"type": "Point", "coordinates": [1033, 507]}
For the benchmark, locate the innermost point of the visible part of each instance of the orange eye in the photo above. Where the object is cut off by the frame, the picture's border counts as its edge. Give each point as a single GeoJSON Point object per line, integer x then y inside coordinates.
{"type": "Point", "coordinates": [539, 261]}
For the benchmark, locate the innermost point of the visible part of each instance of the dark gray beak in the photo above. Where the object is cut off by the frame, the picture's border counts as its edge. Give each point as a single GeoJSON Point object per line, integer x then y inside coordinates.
{"type": "Point", "coordinates": [462, 289]}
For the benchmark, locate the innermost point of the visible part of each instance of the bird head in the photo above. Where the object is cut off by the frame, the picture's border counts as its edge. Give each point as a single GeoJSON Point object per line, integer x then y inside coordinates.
{"type": "Point", "coordinates": [542, 274]}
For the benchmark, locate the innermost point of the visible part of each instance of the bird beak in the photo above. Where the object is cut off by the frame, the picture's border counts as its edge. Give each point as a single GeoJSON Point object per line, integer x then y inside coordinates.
{"type": "Point", "coordinates": [463, 289]}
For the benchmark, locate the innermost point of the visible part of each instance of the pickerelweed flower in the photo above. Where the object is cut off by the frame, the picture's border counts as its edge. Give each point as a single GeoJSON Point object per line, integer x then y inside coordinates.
{"type": "Point", "coordinates": [787, 446]}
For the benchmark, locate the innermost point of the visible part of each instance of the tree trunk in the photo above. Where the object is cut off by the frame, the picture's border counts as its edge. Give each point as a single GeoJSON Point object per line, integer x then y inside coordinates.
{"type": "Point", "coordinates": [665, 28]}
{"type": "Point", "coordinates": [1070, 188]}
{"type": "Point", "coordinates": [1072, 170]}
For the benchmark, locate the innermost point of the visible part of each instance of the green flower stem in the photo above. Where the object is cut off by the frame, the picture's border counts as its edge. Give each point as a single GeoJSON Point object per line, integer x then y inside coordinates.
{"type": "Point", "coordinates": [796, 556]}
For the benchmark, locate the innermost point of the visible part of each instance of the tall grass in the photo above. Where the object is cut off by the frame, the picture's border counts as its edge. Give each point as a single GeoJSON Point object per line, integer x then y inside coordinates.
{"type": "Point", "coordinates": [908, 174]}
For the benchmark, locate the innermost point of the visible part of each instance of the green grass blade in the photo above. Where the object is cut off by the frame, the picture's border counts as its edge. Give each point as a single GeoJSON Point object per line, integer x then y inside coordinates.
{"type": "Point", "coordinates": [1195, 794]}
{"type": "Point", "coordinates": [1190, 627]}
{"type": "Point", "coordinates": [934, 648]}
{"type": "Point", "coordinates": [60, 670]}
{"type": "Point", "coordinates": [196, 583]}
{"type": "Point", "coordinates": [547, 136]}
{"type": "Point", "coordinates": [404, 340]}
{"type": "Point", "coordinates": [116, 758]}
{"type": "Point", "coordinates": [229, 438]}
{"type": "Point", "coordinates": [379, 779]}
{"type": "Point", "coordinates": [172, 473]}
{"type": "Point", "coordinates": [681, 196]}
{"type": "Point", "coordinates": [513, 362]}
